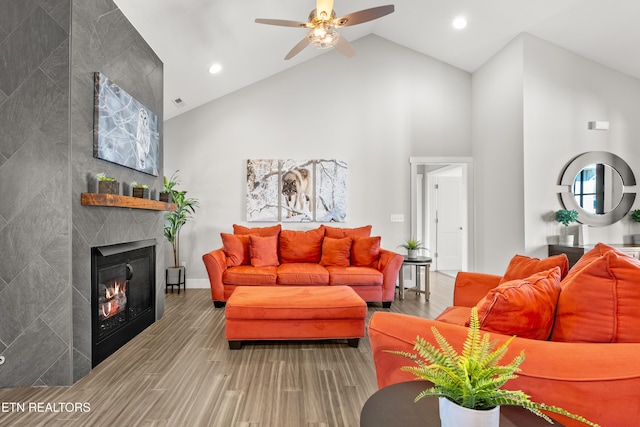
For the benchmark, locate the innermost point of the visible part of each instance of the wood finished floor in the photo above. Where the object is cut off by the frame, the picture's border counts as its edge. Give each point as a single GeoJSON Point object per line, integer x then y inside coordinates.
{"type": "Point", "coordinates": [180, 372]}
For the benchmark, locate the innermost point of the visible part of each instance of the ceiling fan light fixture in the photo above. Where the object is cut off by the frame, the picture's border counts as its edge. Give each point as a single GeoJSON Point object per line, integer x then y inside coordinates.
{"type": "Point", "coordinates": [323, 35]}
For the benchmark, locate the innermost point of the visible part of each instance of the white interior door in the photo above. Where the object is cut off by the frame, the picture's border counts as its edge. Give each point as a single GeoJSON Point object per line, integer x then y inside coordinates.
{"type": "Point", "coordinates": [423, 212]}
{"type": "Point", "coordinates": [449, 223]}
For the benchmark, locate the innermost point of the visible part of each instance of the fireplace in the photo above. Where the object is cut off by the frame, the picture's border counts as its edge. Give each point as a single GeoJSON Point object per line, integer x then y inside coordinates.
{"type": "Point", "coordinates": [122, 295]}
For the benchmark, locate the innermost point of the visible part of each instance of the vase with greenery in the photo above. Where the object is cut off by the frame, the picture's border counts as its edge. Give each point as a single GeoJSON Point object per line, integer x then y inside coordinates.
{"type": "Point", "coordinates": [169, 183]}
{"type": "Point", "coordinates": [140, 190]}
{"type": "Point", "coordinates": [185, 209]}
{"type": "Point", "coordinates": [566, 217]}
{"type": "Point", "coordinates": [474, 378]}
{"type": "Point", "coordinates": [412, 246]}
{"type": "Point", "coordinates": [107, 184]}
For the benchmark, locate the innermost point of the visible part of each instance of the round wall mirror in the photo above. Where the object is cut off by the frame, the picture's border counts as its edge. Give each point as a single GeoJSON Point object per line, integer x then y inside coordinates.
{"type": "Point", "coordinates": [596, 184]}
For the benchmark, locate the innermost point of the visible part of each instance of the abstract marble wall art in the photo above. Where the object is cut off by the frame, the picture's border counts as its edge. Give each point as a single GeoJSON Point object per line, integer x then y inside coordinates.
{"type": "Point", "coordinates": [125, 132]}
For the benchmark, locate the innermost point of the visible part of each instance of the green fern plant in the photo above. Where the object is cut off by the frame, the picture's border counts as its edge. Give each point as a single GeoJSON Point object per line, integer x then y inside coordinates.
{"type": "Point", "coordinates": [473, 379]}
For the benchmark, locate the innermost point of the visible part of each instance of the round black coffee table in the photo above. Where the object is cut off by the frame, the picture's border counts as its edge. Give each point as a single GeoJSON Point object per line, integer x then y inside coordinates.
{"type": "Point", "coordinates": [393, 406]}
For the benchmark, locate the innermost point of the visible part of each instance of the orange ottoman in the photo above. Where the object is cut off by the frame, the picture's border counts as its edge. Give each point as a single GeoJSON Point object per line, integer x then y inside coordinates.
{"type": "Point", "coordinates": [294, 313]}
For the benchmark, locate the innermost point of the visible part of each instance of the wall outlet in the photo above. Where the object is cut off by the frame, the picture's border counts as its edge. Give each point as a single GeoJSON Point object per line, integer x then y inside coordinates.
{"type": "Point", "coordinates": [397, 217]}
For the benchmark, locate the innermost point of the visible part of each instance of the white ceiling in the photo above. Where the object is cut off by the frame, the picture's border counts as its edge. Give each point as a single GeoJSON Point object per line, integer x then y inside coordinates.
{"type": "Point", "coordinates": [190, 35]}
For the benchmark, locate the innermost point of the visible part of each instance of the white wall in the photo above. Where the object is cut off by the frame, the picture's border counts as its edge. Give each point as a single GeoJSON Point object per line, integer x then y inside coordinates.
{"type": "Point", "coordinates": [531, 105]}
{"type": "Point", "coordinates": [374, 111]}
{"type": "Point", "coordinates": [563, 92]}
{"type": "Point", "coordinates": [497, 120]}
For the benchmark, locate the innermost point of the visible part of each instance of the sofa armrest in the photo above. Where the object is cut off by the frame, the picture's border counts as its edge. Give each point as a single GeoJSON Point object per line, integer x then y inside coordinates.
{"type": "Point", "coordinates": [389, 264]}
{"type": "Point", "coordinates": [216, 264]}
{"type": "Point", "coordinates": [472, 287]}
{"type": "Point", "coordinates": [570, 375]}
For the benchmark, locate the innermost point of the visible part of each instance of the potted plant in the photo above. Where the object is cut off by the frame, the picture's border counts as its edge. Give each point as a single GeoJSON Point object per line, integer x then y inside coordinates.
{"type": "Point", "coordinates": [185, 209]}
{"type": "Point", "coordinates": [566, 217]}
{"type": "Point", "coordinates": [169, 183]}
{"type": "Point", "coordinates": [140, 190]}
{"type": "Point", "coordinates": [412, 246]}
{"type": "Point", "coordinates": [107, 184]}
{"type": "Point", "coordinates": [635, 217]}
{"type": "Point", "coordinates": [470, 383]}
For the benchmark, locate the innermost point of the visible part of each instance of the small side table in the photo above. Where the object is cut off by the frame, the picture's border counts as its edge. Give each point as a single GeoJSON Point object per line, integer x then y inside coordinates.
{"type": "Point", "coordinates": [419, 263]}
{"type": "Point", "coordinates": [173, 279]}
{"type": "Point", "coordinates": [393, 406]}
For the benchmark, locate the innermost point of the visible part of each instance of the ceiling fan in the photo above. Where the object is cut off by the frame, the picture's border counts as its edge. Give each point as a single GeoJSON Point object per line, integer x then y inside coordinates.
{"type": "Point", "coordinates": [323, 24]}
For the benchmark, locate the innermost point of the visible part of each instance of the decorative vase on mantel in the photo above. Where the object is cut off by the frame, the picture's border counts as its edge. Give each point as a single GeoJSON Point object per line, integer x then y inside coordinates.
{"type": "Point", "coordinates": [165, 196]}
{"type": "Point", "coordinates": [109, 187]}
{"type": "Point", "coordinates": [140, 192]}
{"type": "Point", "coordinates": [454, 415]}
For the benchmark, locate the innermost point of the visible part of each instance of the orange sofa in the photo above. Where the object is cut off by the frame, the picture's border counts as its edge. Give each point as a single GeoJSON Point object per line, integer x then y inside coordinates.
{"type": "Point", "coordinates": [325, 256]}
{"type": "Point", "coordinates": [585, 357]}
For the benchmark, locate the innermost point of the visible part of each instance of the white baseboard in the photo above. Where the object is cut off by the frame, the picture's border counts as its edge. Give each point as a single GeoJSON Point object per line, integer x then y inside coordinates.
{"type": "Point", "coordinates": [198, 284]}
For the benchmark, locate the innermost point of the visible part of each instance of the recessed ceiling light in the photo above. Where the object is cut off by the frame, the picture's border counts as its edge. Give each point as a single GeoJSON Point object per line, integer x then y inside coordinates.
{"type": "Point", "coordinates": [460, 22]}
{"type": "Point", "coordinates": [215, 68]}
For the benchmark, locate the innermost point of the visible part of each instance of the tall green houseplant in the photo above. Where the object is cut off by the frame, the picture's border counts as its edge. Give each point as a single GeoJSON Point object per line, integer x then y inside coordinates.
{"type": "Point", "coordinates": [185, 209]}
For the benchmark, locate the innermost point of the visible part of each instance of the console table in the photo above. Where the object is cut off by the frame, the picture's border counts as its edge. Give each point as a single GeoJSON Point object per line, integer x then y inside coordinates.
{"type": "Point", "coordinates": [574, 253]}
{"type": "Point", "coordinates": [394, 406]}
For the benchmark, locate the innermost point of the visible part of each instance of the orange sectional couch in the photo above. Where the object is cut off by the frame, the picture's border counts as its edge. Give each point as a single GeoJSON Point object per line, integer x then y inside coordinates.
{"type": "Point", "coordinates": [580, 331]}
{"type": "Point", "coordinates": [325, 256]}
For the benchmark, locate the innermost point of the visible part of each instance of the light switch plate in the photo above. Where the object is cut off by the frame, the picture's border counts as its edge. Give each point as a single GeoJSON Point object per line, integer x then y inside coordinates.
{"type": "Point", "coordinates": [397, 217]}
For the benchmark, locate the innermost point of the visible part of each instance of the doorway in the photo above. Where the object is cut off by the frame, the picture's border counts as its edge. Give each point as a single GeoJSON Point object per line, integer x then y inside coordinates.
{"type": "Point", "coordinates": [441, 210]}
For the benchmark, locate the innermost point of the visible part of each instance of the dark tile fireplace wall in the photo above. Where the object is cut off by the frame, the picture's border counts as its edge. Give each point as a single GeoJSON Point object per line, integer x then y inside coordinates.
{"type": "Point", "coordinates": [49, 50]}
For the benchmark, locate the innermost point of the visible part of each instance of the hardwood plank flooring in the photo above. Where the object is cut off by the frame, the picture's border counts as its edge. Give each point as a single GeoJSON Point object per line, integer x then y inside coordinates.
{"type": "Point", "coordinates": [180, 372]}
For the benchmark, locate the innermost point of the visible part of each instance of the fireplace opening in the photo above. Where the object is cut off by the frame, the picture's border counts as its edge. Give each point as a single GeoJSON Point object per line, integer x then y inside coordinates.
{"type": "Point", "coordinates": [123, 295]}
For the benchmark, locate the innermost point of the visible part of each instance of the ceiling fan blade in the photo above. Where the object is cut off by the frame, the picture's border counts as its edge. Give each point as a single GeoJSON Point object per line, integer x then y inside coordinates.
{"type": "Point", "coordinates": [325, 6]}
{"type": "Point", "coordinates": [344, 47]}
{"type": "Point", "coordinates": [297, 48]}
{"type": "Point", "coordinates": [366, 15]}
{"type": "Point", "coordinates": [281, 22]}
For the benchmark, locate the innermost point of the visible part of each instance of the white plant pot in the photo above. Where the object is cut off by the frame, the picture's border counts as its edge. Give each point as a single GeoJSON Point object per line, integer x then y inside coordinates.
{"type": "Point", "coordinates": [565, 239]}
{"type": "Point", "coordinates": [454, 415]}
{"type": "Point", "coordinates": [412, 253]}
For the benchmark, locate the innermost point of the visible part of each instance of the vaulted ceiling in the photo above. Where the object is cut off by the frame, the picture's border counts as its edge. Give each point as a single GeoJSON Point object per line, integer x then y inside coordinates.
{"type": "Point", "coordinates": [191, 35]}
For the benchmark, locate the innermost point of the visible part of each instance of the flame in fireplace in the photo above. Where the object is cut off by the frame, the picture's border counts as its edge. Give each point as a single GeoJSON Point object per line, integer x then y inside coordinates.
{"type": "Point", "coordinates": [113, 301]}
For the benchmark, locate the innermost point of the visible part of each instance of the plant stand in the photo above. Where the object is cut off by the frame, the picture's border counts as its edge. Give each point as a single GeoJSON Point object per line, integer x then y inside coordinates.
{"type": "Point", "coordinates": [175, 276]}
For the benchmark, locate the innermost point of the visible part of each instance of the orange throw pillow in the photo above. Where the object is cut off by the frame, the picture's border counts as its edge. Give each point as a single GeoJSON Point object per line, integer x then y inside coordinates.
{"type": "Point", "coordinates": [522, 266]}
{"type": "Point", "coordinates": [586, 259]}
{"type": "Point", "coordinates": [599, 301]}
{"type": "Point", "coordinates": [338, 233]}
{"type": "Point", "coordinates": [236, 248]}
{"type": "Point", "coordinates": [260, 231]}
{"type": "Point", "coordinates": [522, 307]}
{"type": "Point", "coordinates": [263, 250]}
{"type": "Point", "coordinates": [365, 251]}
{"type": "Point", "coordinates": [336, 252]}
{"type": "Point", "coordinates": [301, 246]}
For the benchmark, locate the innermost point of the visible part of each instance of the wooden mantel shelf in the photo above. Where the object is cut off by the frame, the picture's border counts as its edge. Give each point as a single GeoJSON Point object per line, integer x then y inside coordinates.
{"type": "Point", "coordinates": [113, 200]}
